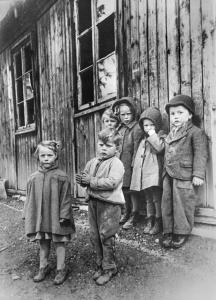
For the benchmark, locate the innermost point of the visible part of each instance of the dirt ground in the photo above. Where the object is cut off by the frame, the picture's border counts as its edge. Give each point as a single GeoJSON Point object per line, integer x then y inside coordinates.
{"type": "Point", "coordinates": [146, 271]}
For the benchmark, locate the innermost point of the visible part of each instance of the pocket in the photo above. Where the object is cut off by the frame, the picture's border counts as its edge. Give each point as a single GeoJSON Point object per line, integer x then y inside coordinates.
{"type": "Point", "coordinates": [186, 164]}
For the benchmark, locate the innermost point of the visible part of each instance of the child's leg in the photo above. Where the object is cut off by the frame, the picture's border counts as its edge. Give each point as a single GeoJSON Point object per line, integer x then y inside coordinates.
{"type": "Point", "coordinates": [108, 222]}
{"type": "Point", "coordinates": [94, 230]}
{"type": "Point", "coordinates": [44, 255]}
{"type": "Point", "coordinates": [128, 206]}
{"type": "Point", "coordinates": [156, 195]}
{"type": "Point", "coordinates": [61, 269]}
{"type": "Point", "coordinates": [44, 252]}
{"type": "Point", "coordinates": [135, 211]}
{"type": "Point", "coordinates": [150, 209]}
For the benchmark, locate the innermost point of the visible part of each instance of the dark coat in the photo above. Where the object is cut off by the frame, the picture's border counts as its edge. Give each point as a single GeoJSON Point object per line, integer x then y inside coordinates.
{"type": "Point", "coordinates": [48, 200]}
{"type": "Point", "coordinates": [131, 136]}
{"type": "Point", "coordinates": [186, 153]}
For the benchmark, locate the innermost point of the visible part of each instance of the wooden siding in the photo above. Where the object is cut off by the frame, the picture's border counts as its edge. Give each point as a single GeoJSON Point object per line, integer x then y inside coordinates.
{"type": "Point", "coordinates": [56, 80]}
{"type": "Point", "coordinates": [7, 137]}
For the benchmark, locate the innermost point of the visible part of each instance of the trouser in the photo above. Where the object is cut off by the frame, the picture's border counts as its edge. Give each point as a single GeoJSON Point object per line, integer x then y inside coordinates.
{"type": "Point", "coordinates": [178, 205]}
{"type": "Point", "coordinates": [153, 201]}
{"type": "Point", "coordinates": [127, 209]}
{"type": "Point", "coordinates": [104, 220]}
{"type": "Point", "coordinates": [45, 250]}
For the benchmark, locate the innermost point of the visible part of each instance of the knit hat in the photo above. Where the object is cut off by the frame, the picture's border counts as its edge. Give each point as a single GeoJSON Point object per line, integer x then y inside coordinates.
{"type": "Point", "coordinates": [125, 100]}
{"type": "Point", "coordinates": [153, 114]}
{"type": "Point", "coordinates": [183, 100]}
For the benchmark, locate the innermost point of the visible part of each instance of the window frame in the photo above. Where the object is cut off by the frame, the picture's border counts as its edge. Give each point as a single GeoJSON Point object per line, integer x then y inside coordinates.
{"type": "Point", "coordinates": [95, 55]}
{"type": "Point", "coordinates": [19, 47]}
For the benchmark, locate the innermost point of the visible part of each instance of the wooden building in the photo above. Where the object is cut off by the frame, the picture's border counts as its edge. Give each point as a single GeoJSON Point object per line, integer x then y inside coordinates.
{"type": "Point", "coordinates": [62, 62]}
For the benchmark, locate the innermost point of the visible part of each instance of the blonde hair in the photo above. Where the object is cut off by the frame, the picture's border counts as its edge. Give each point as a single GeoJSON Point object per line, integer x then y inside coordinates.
{"type": "Point", "coordinates": [110, 114]}
{"type": "Point", "coordinates": [52, 145]}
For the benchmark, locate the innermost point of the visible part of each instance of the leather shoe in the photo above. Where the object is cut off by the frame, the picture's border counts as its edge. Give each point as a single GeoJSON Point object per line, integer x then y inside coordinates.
{"type": "Point", "coordinates": [98, 273]}
{"type": "Point", "coordinates": [179, 240]}
{"type": "Point", "coordinates": [167, 240]}
{"type": "Point", "coordinates": [43, 272]}
{"type": "Point", "coordinates": [106, 276]}
{"type": "Point", "coordinates": [60, 276]}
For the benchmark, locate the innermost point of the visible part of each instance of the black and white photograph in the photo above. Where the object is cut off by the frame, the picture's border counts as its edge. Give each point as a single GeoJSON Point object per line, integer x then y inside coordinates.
{"type": "Point", "coordinates": [108, 149]}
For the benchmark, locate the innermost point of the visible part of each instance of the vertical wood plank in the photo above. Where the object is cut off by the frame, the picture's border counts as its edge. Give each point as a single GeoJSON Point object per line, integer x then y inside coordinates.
{"type": "Point", "coordinates": [185, 53]}
{"type": "Point", "coordinates": [127, 26]}
{"type": "Point", "coordinates": [152, 48]}
{"type": "Point", "coordinates": [143, 30]}
{"type": "Point", "coordinates": [173, 47]}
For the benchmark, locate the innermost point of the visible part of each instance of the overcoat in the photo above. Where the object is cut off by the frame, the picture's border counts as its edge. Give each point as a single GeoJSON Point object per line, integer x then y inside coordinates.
{"type": "Point", "coordinates": [131, 134]}
{"type": "Point", "coordinates": [48, 200]}
{"type": "Point", "coordinates": [186, 153]}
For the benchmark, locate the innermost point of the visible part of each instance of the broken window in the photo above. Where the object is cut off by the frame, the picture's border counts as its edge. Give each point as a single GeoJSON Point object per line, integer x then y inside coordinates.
{"type": "Point", "coordinates": [96, 51]}
{"type": "Point", "coordinates": [22, 77]}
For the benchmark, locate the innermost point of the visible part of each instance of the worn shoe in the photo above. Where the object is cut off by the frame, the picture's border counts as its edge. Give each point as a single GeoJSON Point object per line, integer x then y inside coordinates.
{"type": "Point", "coordinates": [131, 222]}
{"type": "Point", "coordinates": [43, 272]}
{"type": "Point", "coordinates": [61, 275]}
{"type": "Point", "coordinates": [106, 276]}
{"type": "Point", "coordinates": [124, 219]}
{"type": "Point", "coordinates": [149, 225]}
{"type": "Point", "coordinates": [157, 226]}
{"type": "Point", "coordinates": [167, 240]}
{"type": "Point", "coordinates": [98, 273]}
{"type": "Point", "coordinates": [179, 240]}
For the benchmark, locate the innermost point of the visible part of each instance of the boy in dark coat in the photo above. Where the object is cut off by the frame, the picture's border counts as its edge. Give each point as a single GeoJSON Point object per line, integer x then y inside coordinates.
{"type": "Point", "coordinates": [131, 134]}
{"type": "Point", "coordinates": [184, 170]}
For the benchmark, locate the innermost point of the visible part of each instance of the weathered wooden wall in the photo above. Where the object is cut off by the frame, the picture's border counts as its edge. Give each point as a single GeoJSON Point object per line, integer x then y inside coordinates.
{"type": "Point", "coordinates": [170, 49]}
{"type": "Point", "coordinates": [56, 79]}
{"type": "Point", "coordinates": [7, 137]}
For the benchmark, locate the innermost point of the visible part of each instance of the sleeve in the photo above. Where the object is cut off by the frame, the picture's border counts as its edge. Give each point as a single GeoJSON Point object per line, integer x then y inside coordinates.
{"type": "Point", "coordinates": [65, 200]}
{"type": "Point", "coordinates": [137, 135]}
{"type": "Point", "coordinates": [27, 199]}
{"type": "Point", "coordinates": [200, 151]}
{"type": "Point", "coordinates": [113, 179]}
{"type": "Point", "coordinates": [157, 141]}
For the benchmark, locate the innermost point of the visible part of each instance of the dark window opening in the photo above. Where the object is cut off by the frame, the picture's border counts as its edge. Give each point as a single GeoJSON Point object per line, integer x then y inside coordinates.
{"type": "Point", "coordinates": [28, 63]}
{"type": "Point", "coordinates": [87, 86]}
{"type": "Point", "coordinates": [106, 38]}
{"type": "Point", "coordinates": [18, 65]}
{"type": "Point", "coordinates": [21, 114]}
{"type": "Point", "coordinates": [19, 83]}
{"type": "Point", "coordinates": [85, 21]}
{"type": "Point", "coordinates": [86, 50]}
{"type": "Point", "coordinates": [30, 111]}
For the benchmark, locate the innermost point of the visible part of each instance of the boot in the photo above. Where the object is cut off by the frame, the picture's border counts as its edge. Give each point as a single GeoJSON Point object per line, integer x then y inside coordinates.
{"type": "Point", "coordinates": [43, 272]}
{"type": "Point", "coordinates": [106, 276]}
{"type": "Point", "coordinates": [149, 225]}
{"type": "Point", "coordinates": [167, 240]}
{"type": "Point", "coordinates": [131, 222]}
{"type": "Point", "coordinates": [124, 218]}
{"type": "Point", "coordinates": [179, 240]}
{"type": "Point", "coordinates": [157, 226]}
{"type": "Point", "coordinates": [60, 276]}
{"type": "Point", "coordinates": [97, 273]}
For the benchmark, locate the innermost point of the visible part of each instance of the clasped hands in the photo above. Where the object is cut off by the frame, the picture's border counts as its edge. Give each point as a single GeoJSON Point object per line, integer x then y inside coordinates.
{"type": "Point", "coordinates": [83, 179]}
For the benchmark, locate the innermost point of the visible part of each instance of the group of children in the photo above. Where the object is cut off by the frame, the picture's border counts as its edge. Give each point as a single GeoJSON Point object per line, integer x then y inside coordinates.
{"type": "Point", "coordinates": [137, 163]}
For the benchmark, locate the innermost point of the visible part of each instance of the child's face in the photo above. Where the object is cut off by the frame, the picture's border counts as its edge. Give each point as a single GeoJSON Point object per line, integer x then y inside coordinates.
{"type": "Point", "coordinates": [179, 115]}
{"type": "Point", "coordinates": [148, 125]}
{"type": "Point", "coordinates": [109, 122]}
{"type": "Point", "coordinates": [46, 157]}
{"type": "Point", "coordinates": [125, 114]}
{"type": "Point", "coordinates": [106, 150]}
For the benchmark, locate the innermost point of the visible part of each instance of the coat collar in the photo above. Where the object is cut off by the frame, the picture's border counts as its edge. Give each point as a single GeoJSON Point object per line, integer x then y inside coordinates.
{"type": "Point", "coordinates": [55, 166]}
{"type": "Point", "coordinates": [182, 132]}
{"type": "Point", "coordinates": [130, 125]}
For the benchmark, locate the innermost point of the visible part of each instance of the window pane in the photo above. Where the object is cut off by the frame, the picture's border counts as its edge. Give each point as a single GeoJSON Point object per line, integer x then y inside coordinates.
{"type": "Point", "coordinates": [27, 85]}
{"type": "Point", "coordinates": [30, 111]}
{"type": "Point", "coordinates": [27, 54]}
{"type": "Point", "coordinates": [107, 76]}
{"type": "Point", "coordinates": [19, 90]}
{"type": "Point", "coordinates": [84, 10]}
{"type": "Point", "coordinates": [106, 36]}
{"type": "Point", "coordinates": [104, 8]}
{"type": "Point", "coordinates": [87, 86]}
{"type": "Point", "coordinates": [86, 50]}
{"type": "Point", "coordinates": [18, 65]}
{"type": "Point", "coordinates": [21, 115]}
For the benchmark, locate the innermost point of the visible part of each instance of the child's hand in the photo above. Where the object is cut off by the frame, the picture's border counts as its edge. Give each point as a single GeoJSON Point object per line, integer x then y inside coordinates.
{"type": "Point", "coordinates": [197, 181]}
{"type": "Point", "coordinates": [78, 178]}
{"type": "Point", "coordinates": [85, 179]}
{"type": "Point", "coordinates": [64, 222]}
{"type": "Point", "coordinates": [151, 132]}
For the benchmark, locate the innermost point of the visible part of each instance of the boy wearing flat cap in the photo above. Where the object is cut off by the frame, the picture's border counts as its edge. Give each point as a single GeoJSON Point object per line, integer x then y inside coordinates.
{"type": "Point", "coordinates": [184, 170]}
